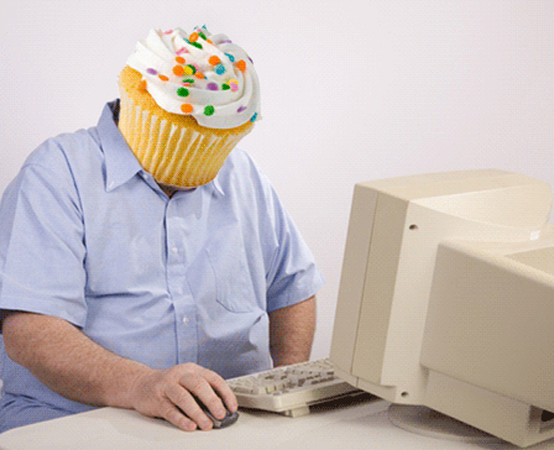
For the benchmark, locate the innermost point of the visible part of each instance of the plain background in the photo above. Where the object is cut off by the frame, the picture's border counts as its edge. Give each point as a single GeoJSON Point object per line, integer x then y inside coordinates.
{"type": "Point", "coordinates": [351, 91]}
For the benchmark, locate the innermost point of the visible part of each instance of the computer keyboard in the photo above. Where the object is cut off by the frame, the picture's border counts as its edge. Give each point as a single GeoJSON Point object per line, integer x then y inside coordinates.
{"type": "Point", "coordinates": [291, 390]}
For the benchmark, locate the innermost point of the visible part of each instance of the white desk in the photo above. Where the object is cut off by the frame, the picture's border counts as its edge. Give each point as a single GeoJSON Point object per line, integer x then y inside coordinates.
{"type": "Point", "coordinates": [360, 426]}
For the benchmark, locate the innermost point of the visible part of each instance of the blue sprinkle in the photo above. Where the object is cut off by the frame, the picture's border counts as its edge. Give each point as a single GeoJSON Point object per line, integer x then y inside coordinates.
{"type": "Point", "coordinates": [254, 117]}
{"type": "Point", "coordinates": [219, 69]}
{"type": "Point", "coordinates": [231, 57]}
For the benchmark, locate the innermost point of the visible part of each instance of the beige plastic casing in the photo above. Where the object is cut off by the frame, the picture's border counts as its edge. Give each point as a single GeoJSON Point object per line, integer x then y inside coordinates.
{"type": "Point", "coordinates": [447, 298]}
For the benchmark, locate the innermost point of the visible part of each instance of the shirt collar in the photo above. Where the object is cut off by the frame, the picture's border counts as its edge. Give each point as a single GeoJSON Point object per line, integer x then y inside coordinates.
{"type": "Point", "coordinates": [121, 163]}
{"type": "Point", "coordinates": [214, 186]}
{"type": "Point", "coordinates": [217, 186]}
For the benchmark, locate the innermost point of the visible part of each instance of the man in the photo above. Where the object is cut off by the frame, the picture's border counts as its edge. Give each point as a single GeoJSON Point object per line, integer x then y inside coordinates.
{"type": "Point", "coordinates": [117, 291]}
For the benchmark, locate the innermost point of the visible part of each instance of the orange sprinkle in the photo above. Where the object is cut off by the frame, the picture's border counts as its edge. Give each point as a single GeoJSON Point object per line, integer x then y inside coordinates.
{"type": "Point", "coordinates": [241, 65]}
{"type": "Point", "coordinates": [163, 78]}
{"type": "Point", "coordinates": [214, 60]}
{"type": "Point", "coordinates": [193, 37]}
{"type": "Point", "coordinates": [180, 60]}
{"type": "Point", "coordinates": [186, 108]}
{"type": "Point", "coordinates": [179, 70]}
{"type": "Point", "coordinates": [209, 41]}
{"type": "Point", "coordinates": [142, 85]}
{"type": "Point", "coordinates": [199, 75]}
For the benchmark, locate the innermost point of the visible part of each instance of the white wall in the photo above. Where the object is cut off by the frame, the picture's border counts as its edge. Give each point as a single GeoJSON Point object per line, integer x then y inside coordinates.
{"type": "Point", "coordinates": [351, 90]}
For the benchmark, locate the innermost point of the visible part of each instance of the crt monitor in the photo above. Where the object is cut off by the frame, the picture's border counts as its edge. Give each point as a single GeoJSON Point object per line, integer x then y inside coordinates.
{"type": "Point", "coordinates": [446, 299]}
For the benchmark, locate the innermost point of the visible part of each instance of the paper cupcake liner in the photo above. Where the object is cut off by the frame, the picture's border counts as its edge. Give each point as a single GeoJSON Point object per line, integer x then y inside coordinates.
{"type": "Point", "coordinates": [172, 153]}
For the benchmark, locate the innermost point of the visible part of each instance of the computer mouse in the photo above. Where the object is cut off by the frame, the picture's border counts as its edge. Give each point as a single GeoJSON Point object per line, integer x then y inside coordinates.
{"type": "Point", "coordinates": [229, 419]}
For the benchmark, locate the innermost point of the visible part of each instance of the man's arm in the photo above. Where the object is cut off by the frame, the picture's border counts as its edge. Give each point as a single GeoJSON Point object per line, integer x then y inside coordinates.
{"type": "Point", "coordinates": [291, 332]}
{"type": "Point", "coordinates": [71, 364]}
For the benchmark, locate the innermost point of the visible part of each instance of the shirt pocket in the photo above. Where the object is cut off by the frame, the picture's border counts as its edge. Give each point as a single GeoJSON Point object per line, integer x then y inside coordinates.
{"type": "Point", "coordinates": [233, 281]}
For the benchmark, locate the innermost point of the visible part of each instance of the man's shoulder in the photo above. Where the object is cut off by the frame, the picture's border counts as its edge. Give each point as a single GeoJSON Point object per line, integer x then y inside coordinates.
{"type": "Point", "coordinates": [238, 158]}
{"type": "Point", "coordinates": [59, 162]}
{"type": "Point", "coordinates": [66, 149]}
{"type": "Point", "coordinates": [243, 182]}
{"type": "Point", "coordinates": [240, 164]}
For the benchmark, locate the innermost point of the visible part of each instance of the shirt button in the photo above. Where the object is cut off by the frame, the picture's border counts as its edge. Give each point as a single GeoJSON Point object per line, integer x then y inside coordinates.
{"type": "Point", "coordinates": [186, 320]}
{"type": "Point", "coordinates": [174, 250]}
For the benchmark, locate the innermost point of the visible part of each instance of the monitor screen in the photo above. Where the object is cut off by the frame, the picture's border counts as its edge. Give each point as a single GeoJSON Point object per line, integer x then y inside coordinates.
{"type": "Point", "coordinates": [446, 299]}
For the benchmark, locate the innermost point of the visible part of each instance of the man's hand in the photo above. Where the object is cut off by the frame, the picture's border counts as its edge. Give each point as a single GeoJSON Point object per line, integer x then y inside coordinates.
{"type": "Point", "coordinates": [169, 394]}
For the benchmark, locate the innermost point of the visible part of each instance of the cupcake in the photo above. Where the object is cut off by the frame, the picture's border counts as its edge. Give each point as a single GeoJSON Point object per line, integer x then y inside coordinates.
{"type": "Point", "coordinates": [186, 101]}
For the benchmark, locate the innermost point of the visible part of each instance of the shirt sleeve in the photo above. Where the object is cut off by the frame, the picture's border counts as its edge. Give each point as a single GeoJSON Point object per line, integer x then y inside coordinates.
{"type": "Point", "coordinates": [292, 275]}
{"type": "Point", "coordinates": [41, 239]}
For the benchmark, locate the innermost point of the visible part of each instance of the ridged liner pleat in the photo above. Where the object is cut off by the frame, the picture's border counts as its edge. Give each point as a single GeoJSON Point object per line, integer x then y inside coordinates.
{"type": "Point", "coordinates": [173, 154]}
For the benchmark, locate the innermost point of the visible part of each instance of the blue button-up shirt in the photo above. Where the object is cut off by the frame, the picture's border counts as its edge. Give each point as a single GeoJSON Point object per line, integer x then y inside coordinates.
{"type": "Point", "coordinates": [88, 236]}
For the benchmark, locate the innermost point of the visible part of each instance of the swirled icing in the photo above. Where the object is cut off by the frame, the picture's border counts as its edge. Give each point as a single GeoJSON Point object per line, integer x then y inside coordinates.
{"type": "Point", "coordinates": [204, 75]}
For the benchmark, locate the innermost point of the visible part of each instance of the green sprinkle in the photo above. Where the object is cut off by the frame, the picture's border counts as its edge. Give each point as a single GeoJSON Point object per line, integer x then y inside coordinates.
{"type": "Point", "coordinates": [188, 80]}
{"type": "Point", "coordinates": [209, 110]}
{"type": "Point", "coordinates": [182, 92]}
{"type": "Point", "coordinates": [202, 35]}
{"type": "Point", "coordinates": [225, 86]}
{"type": "Point", "coordinates": [197, 45]}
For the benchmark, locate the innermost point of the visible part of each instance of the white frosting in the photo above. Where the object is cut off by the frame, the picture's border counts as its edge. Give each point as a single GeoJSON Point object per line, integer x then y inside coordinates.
{"type": "Point", "coordinates": [224, 94]}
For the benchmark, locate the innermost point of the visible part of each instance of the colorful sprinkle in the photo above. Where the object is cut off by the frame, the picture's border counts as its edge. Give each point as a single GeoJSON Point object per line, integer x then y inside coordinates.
{"type": "Point", "coordinates": [152, 71]}
{"type": "Point", "coordinates": [191, 69]}
{"type": "Point", "coordinates": [212, 86]}
{"type": "Point", "coordinates": [214, 60]}
{"type": "Point", "coordinates": [197, 45]}
{"type": "Point", "coordinates": [188, 80]}
{"type": "Point", "coordinates": [254, 117]}
{"type": "Point", "coordinates": [182, 92]}
{"type": "Point", "coordinates": [193, 37]}
{"type": "Point", "coordinates": [234, 86]}
{"type": "Point", "coordinates": [180, 60]}
{"type": "Point", "coordinates": [231, 57]}
{"type": "Point", "coordinates": [199, 75]}
{"type": "Point", "coordinates": [241, 65]}
{"type": "Point", "coordinates": [202, 35]}
{"type": "Point", "coordinates": [179, 71]}
{"type": "Point", "coordinates": [225, 87]}
{"type": "Point", "coordinates": [241, 109]}
{"type": "Point", "coordinates": [163, 78]}
{"type": "Point", "coordinates": [186, 108]}
{"type": "Point", "coordinates": [219, 69]}
{"type": "Point", "coordinates": [209, 110]}
{"type": "Point", "coordinates": [181, 50]}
